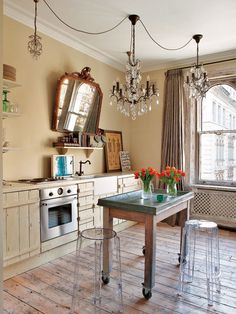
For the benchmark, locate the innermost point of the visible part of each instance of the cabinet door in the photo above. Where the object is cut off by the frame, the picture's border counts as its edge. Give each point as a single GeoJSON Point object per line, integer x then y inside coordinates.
{"type": "Point", "coordinates": [12, 233]}
{"type": "Point", "coordinates": [22, 232]}
{"type": "Point", "coordinates": [34, 229]}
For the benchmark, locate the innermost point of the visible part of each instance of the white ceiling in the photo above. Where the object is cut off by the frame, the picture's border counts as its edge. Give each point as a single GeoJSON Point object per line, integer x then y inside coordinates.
{"type": "Point", "coordinates": [172, 23]}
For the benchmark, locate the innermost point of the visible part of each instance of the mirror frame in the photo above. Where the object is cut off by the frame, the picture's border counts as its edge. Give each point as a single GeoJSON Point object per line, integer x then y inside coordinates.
{"type": "Point", "coordinates": [84, 77]}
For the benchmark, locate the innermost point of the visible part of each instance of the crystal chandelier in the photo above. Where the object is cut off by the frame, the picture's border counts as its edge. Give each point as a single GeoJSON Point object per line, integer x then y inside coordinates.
{"type": "Point", "coordinates": [34, 45]}
{"type": "Point", "coordinates": [197, 82]}
{"type": "Point", "coordinates": [133, 99]}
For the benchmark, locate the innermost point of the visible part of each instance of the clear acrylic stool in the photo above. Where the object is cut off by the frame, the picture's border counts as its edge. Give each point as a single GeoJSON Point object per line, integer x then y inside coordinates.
{"type": "Point", "coordinates": [91, 291]}
{"type": "Point", "coordinates": [200, 236]}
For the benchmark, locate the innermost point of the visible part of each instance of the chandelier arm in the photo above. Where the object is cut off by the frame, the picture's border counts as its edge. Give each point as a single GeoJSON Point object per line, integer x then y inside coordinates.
{"type": "Point", "coordinates": [79, 30]}
{"type": "Point", "coordinates": [165, 48]}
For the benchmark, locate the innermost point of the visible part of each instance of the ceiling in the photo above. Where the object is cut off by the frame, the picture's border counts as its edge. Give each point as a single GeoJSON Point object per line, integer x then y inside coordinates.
{"type": "Point", "coordinates": [171, 23]}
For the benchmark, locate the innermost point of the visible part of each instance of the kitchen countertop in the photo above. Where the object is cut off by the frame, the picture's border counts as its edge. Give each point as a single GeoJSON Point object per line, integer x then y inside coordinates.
{"type": "Point", "coordinates": [14, 186]}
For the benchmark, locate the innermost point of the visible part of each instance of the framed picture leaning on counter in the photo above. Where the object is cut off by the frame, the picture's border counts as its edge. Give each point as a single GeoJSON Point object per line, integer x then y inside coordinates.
{"type": "Point", "coordinates": [113, 147]}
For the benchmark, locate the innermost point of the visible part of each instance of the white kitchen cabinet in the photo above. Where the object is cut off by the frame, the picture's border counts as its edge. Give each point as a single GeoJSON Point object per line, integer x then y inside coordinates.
{"type": "Point", "coordinates": [124, 184]}
{"type": "Point", "coordinates": [86, 205]}
{"type": "Point", "coordinates": [128, 184]}
{"type": "Point", "coordinates": [21, 226]}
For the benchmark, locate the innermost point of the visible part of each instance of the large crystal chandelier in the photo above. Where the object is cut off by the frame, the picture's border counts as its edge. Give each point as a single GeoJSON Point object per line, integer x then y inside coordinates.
{"type": "Point", "coordinates": [133, 99]}
{"type": "Point", "coordinates": [197, 82]}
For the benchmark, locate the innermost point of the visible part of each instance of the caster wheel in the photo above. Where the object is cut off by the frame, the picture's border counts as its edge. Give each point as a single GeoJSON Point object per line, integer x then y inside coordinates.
{"type": "Point", "coordinates": [143, 250]}
{"type": "Point", "coordinates": [147, 294]}
{"type": "Point", "coordinates": [179, 260]}
{"type": "Point", "coordinates": [105, 279]}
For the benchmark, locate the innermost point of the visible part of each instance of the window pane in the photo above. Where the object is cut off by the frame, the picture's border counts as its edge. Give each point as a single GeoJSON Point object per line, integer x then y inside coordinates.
{"type": "Point", "coordinates": [218, 157]}
{"type": "Point", "coordinates": [219, 108]}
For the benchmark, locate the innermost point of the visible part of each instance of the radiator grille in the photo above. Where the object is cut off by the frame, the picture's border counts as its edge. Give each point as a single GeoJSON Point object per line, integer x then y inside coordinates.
{"type": "Point", "coordinates": [219, 205]}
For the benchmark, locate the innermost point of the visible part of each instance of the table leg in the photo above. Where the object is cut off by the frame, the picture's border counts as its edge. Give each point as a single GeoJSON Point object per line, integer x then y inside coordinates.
{"type": "Point", "coordinates": [107, 250]}
{"type": "Point", "coordinates": [150, 256]}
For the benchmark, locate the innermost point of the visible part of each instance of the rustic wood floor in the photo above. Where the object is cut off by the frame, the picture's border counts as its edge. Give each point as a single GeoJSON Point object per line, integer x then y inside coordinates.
{"type": "Point", "coordinates": [48, 288]}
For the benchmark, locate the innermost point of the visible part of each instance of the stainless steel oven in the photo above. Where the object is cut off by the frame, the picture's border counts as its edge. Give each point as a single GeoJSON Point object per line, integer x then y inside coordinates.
{"type": "Point", "coordinates": [58, 211]}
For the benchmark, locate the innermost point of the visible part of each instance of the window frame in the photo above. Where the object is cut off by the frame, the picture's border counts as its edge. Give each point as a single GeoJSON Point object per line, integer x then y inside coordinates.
{"type": "Point", "coordinates": [199, 132]}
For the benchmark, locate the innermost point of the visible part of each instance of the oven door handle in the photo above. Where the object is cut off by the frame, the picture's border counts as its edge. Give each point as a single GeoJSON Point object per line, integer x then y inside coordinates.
{"type": "Point", "coordinates": [59, 201]}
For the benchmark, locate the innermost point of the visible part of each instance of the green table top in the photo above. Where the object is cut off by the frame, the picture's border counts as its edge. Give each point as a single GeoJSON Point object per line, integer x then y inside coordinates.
{"type": "Point", "coordinates": [132, 201]}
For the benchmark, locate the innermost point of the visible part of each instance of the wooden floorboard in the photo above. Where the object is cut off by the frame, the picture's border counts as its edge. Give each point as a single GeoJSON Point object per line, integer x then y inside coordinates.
{"type": "Point", "coordinates": [48, 289]}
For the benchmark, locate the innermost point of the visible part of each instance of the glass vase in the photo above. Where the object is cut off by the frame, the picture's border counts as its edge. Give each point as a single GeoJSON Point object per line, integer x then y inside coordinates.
{"type": "Point", "coordinates": [146, 189]}
{"type": "Point", "coordinates": [5, 101]}
{"type": "Point", "coordinates": [171, 189]}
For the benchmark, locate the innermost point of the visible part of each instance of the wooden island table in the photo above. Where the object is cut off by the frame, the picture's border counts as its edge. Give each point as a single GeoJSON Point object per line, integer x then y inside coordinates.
{"type": "Point", "coordinates": [130, 206]}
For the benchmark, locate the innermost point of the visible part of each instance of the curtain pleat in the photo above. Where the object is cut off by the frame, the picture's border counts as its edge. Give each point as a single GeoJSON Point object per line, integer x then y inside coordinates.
{"type": "Point", "coordinates": [172, 153]}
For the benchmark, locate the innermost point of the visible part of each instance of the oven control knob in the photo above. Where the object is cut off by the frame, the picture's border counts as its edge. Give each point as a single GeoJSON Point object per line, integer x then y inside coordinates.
{"type": "Point", "coordinates": [50, 194]}
{"type": "Point", "coordinates": [60, 191]}
{"type": "Point", "coordinates": [69, 191]}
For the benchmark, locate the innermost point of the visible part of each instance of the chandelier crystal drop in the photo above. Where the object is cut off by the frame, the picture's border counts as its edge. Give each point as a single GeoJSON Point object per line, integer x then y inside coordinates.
{"type": "Point", "coordinates": [34, 45]}
{"type": "Point", "coordinates": [197, 82]}
{"type": "Point", "coordinates": [133, 99]}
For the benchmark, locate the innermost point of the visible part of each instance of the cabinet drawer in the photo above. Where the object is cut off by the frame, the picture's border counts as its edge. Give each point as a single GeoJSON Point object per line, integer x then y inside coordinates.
{"type": "Point", "coordinates": [85, 187]}
{"type": "Point", "coordinates": [20, 198]}
{"type": "Point", "coordinates": [86, 214]}
{"type": "Point", "coordinates": [86, 200]}
{"type": "Point", "coordinates": [86, 225]}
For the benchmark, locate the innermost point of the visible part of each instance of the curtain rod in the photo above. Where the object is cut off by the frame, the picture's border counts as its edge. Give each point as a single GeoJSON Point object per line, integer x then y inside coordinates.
{"type": "Point", "coordinates": [208, 63]}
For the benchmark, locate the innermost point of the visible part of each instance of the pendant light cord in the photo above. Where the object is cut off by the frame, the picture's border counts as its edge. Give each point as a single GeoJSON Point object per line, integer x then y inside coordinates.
{"type": "Point", "coordinates": [82, 31]}
{"type": "Point", "coordinates": [35, 17]}
{"type": "Point", "coordinates": [178, 48]}
{"type": "Point", "coordinates": [111, 29]}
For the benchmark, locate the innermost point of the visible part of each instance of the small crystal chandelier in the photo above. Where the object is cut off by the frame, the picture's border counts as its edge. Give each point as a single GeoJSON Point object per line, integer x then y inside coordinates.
{"type": "Point", "coordinates": [197, 82]}
{"type": "Point", "coordinates": [34, 45]}
{"type": "Point", "coordinates": [133, 99]}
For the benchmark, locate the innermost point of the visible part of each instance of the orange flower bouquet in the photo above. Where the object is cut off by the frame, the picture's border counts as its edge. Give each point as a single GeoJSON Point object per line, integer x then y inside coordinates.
{"type": "Point", "coordinates": [170, 176]}
{"type": "Point", "coordinates": [146, 176]}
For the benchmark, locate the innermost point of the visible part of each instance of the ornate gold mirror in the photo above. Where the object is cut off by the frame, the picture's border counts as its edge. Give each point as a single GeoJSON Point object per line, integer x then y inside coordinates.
{"type": "Point", "coordinates": [78, 103]}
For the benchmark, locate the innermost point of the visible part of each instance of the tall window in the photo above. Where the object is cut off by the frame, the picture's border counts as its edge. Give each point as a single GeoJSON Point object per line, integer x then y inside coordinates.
{"type": "Point", "coordinates": [217, 136]}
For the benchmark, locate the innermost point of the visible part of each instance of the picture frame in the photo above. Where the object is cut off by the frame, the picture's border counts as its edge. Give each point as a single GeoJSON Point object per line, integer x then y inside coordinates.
{"type": "Point", "coordinates": [113, 146]}
{"type": "Point", "coordinates": [125, 161]}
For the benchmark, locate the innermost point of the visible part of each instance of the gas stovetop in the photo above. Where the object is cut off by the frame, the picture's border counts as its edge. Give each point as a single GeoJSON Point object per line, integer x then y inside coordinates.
{"type": "Point", "coordinates": [42, 180]}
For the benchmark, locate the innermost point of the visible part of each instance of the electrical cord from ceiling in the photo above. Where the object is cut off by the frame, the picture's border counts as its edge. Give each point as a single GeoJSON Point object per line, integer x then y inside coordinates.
{"type": "Point", "coordinates": [112, 28]}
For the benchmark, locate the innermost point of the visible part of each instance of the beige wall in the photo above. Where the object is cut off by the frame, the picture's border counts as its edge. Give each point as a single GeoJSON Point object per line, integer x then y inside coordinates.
{"type": "Point", "coordinates": [146, 130]}
{"type": "Point", "coordinates": [1, 214]}
{"type": "Point", "coordinates": [31, 132]}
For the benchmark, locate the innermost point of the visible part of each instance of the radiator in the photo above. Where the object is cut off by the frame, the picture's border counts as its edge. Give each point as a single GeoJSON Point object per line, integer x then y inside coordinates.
{"type": "Point", "coordinates": [215, 205]}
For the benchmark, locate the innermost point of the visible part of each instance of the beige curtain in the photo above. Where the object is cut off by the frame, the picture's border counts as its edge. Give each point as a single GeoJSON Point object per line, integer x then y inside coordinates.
{"type": "Point", "coordinates": [172, 152]}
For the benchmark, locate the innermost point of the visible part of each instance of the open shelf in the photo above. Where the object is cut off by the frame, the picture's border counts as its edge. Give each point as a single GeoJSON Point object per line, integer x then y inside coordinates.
{"type": "Point", "coordinates": [6, 149]}
{"type": "Point", "coordinates": [8, 84]}
{"type": "Point", "coordinates": [10, 115]}
{"type": "Point", "coordinates": [62, 148]}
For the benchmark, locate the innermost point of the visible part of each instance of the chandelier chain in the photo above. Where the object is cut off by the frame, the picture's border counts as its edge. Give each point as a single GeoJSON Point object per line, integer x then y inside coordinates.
{"type": "Point", "coordinates": [133, 52]}
{"type": "Point", "coordinates": [35, 17]}
{"type": "Point", "coordinates": [197, 55]}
